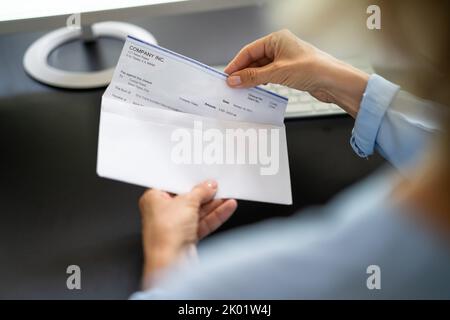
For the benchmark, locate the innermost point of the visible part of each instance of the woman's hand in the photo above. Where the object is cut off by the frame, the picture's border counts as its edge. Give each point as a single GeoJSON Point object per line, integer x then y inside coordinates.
{"type": "Point", "coordinates": [283, 58]}
{"type": "Point", "coordinates": [172, 224]}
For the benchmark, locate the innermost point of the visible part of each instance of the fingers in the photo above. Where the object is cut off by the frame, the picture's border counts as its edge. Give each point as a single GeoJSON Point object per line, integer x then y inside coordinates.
{"type": "Point", "coordinates": [203, 192]}
{"type": "Point", "coordinates": [216, 218]}
{"type": "Point", "coordinates": [210, 207]}
{"type": "Point", "coordinates": [151, 195]}
{"type": "Point", "coordinates": [252, 65]}
{"type": "Point", "coordinates": [251, 77]}
{"type": "Point", "coordinates": [260, 63]}
{"type": "Point", "coordinates": [250, 53]}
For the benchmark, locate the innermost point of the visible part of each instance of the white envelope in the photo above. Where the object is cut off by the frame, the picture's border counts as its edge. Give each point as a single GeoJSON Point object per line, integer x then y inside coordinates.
{"type": "Point", "coordinates": [144, 141]}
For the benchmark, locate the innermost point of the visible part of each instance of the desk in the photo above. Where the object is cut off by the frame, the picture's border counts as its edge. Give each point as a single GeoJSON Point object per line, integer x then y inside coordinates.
{"type": "Point", "coordinates": [55, 211]}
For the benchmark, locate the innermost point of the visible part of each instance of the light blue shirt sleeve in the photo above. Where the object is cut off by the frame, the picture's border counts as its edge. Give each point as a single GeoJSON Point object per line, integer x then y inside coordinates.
{"type": "Point", "coordinates": [394, 123]}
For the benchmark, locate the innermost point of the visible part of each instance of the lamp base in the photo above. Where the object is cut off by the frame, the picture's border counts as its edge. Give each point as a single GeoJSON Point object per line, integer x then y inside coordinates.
{"type": "Point", "coordinates": [35, 60]}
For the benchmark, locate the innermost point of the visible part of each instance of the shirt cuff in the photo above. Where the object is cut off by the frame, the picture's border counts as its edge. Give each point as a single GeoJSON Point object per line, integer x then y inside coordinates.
{"type": "Point", "coordinates": [376, 99]}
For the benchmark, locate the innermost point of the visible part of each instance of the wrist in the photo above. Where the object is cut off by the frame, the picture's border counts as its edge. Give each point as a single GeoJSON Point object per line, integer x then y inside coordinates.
{"type": "Point", "coordinates": [159, 248]}
{"type": "Point", "coordinates": [342, 84]}
{"type": "Point", "coordinates": [156, 259]}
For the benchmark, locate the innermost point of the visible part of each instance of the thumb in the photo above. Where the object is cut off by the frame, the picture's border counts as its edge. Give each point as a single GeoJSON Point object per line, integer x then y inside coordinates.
{"type": "Point", "coordinates": [250, 77]}
{"type": "Point", "coordinates": [203, 192]}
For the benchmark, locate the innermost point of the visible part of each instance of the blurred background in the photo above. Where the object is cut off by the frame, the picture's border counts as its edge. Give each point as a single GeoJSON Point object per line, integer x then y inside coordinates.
{"type": "Point", "coordinates": [402, 50]}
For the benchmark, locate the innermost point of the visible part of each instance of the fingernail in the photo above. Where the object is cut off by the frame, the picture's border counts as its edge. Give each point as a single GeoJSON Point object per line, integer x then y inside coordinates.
{"type": "Point", "coordinates": [211, 184]}
{"type": "Point", "coordinates": [234, 80]}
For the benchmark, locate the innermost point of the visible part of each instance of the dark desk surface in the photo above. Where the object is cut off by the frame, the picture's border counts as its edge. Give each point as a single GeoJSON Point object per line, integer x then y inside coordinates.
{"type": "Point", "coordinates": [55, 211]}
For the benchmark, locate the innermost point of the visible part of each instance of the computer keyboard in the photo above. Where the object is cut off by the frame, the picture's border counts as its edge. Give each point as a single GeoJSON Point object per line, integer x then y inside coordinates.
{"type": "Point", "coordinates": [302, 104]}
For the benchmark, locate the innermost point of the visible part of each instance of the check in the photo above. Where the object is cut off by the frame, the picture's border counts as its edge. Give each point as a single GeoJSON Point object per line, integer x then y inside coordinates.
{"type": "Point", "coordinates": [168, 121]}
